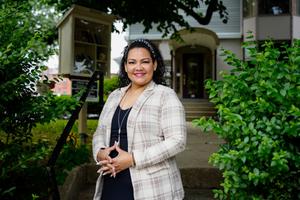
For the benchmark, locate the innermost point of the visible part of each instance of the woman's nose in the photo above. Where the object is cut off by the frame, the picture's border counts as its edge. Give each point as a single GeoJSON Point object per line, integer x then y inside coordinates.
{"type": "Point", "coordinates": [139, 66]}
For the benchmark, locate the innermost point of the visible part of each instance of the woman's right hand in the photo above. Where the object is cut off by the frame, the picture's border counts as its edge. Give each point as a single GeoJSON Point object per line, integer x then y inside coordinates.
{"type": "Point", "coordinates": [105, 160]}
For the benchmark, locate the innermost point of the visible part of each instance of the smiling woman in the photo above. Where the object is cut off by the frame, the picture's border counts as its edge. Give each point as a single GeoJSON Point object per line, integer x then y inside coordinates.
{"type": "Point", "coordinates": [141, 129]}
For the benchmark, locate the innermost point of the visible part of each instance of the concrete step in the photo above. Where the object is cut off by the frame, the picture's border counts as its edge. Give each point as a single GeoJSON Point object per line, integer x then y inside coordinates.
{"type": "Point", "coordinates": [197, 108]}
{"type": "Point", "coordinates": [198, 194]}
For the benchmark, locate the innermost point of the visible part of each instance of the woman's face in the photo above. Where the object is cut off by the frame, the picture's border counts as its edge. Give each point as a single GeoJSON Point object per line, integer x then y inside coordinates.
{"type": "Point", "coordinates": [140, 66]}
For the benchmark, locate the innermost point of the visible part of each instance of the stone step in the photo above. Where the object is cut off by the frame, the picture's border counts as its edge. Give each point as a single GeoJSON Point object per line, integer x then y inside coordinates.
{"type": "Point", "coordinates": [197, 108]}
{"type": "Point", "coordinates": [198, 194]}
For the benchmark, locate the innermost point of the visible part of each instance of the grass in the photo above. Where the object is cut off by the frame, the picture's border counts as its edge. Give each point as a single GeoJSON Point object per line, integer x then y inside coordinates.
{"type": "Point", "coordinates": [51, 132]}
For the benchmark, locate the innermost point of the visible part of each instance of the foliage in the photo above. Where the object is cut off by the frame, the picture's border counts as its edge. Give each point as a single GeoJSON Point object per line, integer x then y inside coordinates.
{"type": "Point", "coordinates": [23, 171]}
{"type": "Point", "coordinates": [50, 132]}
{"type": "Point", "coordinates": [258, 105]}
{"type": "Point", "coordinates": [110, 84]}
{"type": "Point", "coordinates": [164, 15]}
{"type": "Point", "coordinates": [26, 163]}
{"type": "Point", "coordinates": [25, 38]}
{"type": "Point", "coordinates": [71, 156]}
{"type": "Point", "coordinates": [21, 63]}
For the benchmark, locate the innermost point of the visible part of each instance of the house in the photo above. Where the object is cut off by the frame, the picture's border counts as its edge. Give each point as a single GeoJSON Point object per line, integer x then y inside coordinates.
{"type": "Point", "coordinates": [190, 63]}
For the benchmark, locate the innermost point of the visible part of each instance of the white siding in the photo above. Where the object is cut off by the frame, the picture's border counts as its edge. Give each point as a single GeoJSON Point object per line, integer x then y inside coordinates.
{"type": "Point", "coordinates": [230, 30]}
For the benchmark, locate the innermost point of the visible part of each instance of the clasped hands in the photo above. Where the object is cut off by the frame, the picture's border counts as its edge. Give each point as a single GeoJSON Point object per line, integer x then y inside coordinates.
{"type": "Point", "coordinates": [114, 165]}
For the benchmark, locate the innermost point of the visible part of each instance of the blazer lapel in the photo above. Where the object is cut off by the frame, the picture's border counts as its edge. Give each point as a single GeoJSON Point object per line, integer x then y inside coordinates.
{"type": "Point", "coordinates": [135, 111]}
{"type": "Point", "coordinates": [115, 102]}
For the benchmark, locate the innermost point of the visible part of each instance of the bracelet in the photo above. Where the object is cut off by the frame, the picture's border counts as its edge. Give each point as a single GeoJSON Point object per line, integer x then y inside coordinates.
{"type": "Point", "coordinates": [133, 160]}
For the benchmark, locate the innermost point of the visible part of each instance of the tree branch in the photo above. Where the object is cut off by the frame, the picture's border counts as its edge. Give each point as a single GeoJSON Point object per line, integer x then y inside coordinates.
{"type": "Point", "coordinates": [212, 7]}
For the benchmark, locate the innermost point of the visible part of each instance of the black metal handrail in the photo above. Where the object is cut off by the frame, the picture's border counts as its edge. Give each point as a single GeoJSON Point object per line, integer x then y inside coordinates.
{"type": "Point", "coordinates": [54, 192]}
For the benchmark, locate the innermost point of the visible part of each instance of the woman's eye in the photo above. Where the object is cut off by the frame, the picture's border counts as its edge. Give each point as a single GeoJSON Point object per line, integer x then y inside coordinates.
{"type": "Point", "coordinates": [130, 62]}
{"type": "Point", "coordinates": [146, 61]}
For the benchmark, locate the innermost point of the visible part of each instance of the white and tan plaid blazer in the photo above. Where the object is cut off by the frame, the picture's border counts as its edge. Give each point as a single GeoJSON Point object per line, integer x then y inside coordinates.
{"type": "Point", "coordinates": [156, 130]}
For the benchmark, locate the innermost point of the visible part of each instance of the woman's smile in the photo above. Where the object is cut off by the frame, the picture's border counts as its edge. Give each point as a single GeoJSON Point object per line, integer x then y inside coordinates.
{"type": "Point", "coordinates": [139, 74]}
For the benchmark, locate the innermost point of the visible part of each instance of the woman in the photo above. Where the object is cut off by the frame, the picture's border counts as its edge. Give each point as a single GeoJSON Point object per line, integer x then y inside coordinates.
{"type": "Point", "coordinates": [141, 129]}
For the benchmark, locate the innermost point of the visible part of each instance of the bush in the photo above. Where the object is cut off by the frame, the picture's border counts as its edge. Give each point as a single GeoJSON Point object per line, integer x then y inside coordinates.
{"type": "Point", "coordinates": [110, 84]}
{"type": "Point", "coordinates": [258, 105]}
{"type": "Point", "coordinates": [23, 169]}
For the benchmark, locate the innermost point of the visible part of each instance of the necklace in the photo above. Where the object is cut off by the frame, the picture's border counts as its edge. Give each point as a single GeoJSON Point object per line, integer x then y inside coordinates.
{"type": "Point", "coordinates": [121, 123]}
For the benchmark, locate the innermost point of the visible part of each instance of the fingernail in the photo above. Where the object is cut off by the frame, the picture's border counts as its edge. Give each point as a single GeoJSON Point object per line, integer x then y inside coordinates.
{"type": "Point", "coordinates": [104, 173]}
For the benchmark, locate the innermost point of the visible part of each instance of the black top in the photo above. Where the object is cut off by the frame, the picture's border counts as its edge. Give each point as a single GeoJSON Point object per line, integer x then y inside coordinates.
{"type": "Point", "coordinates": [119, 187]}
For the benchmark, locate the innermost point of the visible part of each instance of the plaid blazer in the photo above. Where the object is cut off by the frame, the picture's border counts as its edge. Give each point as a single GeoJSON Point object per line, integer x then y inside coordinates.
{"type": "Point", "coordinates": [156, 131]}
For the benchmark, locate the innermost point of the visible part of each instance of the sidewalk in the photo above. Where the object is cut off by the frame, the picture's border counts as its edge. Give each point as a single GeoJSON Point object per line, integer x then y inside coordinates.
{"type": "Point", "coordinates": [198, 148]}
{"type": "Point", "coordinates": [198, 176]}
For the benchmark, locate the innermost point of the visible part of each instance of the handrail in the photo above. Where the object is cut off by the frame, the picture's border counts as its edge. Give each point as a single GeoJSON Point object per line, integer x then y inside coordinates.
{"type": "Point", "coordinates": [63, 137]}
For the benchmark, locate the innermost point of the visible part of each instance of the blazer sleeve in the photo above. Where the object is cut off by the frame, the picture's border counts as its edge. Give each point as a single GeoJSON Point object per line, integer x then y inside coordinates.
{"type": "Point", "coordinates": [173, 127]}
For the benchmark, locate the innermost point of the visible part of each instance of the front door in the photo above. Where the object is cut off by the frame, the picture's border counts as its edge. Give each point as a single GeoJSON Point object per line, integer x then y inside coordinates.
{"type": "Point", "coordinates": [193, 73]}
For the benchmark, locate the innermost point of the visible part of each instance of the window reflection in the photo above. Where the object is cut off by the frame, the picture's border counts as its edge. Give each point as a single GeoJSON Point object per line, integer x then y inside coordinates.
{"type": "Point", "coordinates": [274, 7]}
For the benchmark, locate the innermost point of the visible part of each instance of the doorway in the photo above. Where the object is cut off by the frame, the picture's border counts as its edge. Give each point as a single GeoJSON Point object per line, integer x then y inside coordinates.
{"type": "Point", "coordinates": [193, 75]}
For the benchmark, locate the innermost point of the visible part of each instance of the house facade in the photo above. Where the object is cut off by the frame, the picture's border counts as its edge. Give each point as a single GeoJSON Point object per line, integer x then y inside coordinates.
{"type": "Point", "coordinates": [198, 58]}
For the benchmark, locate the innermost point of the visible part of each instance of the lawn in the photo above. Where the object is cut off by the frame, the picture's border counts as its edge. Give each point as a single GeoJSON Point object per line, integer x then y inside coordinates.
{"type": "Point", "coordinates": [52, 131]}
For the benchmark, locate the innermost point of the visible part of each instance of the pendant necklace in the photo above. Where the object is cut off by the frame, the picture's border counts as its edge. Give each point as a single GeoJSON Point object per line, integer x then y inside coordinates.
{"type": "Point", "coordinates": [120, 124]}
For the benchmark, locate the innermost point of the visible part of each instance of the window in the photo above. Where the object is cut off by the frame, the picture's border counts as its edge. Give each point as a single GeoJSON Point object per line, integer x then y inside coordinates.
{"type": "Point", "coordinates": [248, 8]}
{"type": "Point", "coordinates": [274, 7]}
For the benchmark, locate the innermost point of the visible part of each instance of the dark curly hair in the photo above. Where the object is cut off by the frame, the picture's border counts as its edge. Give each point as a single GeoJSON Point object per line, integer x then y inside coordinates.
{"type": "Point", "coordinates": [158, 74]}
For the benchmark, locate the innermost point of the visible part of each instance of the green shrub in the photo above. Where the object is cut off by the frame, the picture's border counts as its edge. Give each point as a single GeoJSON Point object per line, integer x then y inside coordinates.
{"type": "Point", "coordinates": [258, 116]}
{"type": "Point", "coordinates": [70, 157]}
{"type": "Point", "coordinates": [23, 169]}
{"type": "Point", "coordinates": [110, 84]}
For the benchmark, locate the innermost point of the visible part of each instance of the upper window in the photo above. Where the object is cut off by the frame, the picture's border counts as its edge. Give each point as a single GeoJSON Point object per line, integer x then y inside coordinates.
{"type": "Point", "coordinates": [249, 7]}
{"type": "Point", "coordinates": [274, 7]}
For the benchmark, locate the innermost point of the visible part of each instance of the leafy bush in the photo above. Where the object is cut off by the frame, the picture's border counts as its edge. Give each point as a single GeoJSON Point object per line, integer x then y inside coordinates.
{"type": "Point", "coordinates": [23, 169]}
{"type": "Point", "coordinates": [22, 107]}
{"type": "Point", "coordinates": [258, 105]}
{"type": "Point", "coordinates": [70, 157]}
{"type": "Point", "coordinates": [110, 84]}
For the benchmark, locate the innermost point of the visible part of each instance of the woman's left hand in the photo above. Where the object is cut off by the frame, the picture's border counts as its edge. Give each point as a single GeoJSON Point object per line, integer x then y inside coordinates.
{"type": "Point", "coordinates": [122, 161]}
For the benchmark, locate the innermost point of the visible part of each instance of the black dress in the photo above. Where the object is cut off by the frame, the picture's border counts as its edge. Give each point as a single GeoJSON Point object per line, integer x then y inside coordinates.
{"type": "Point", "coordinates": [119, 187]}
